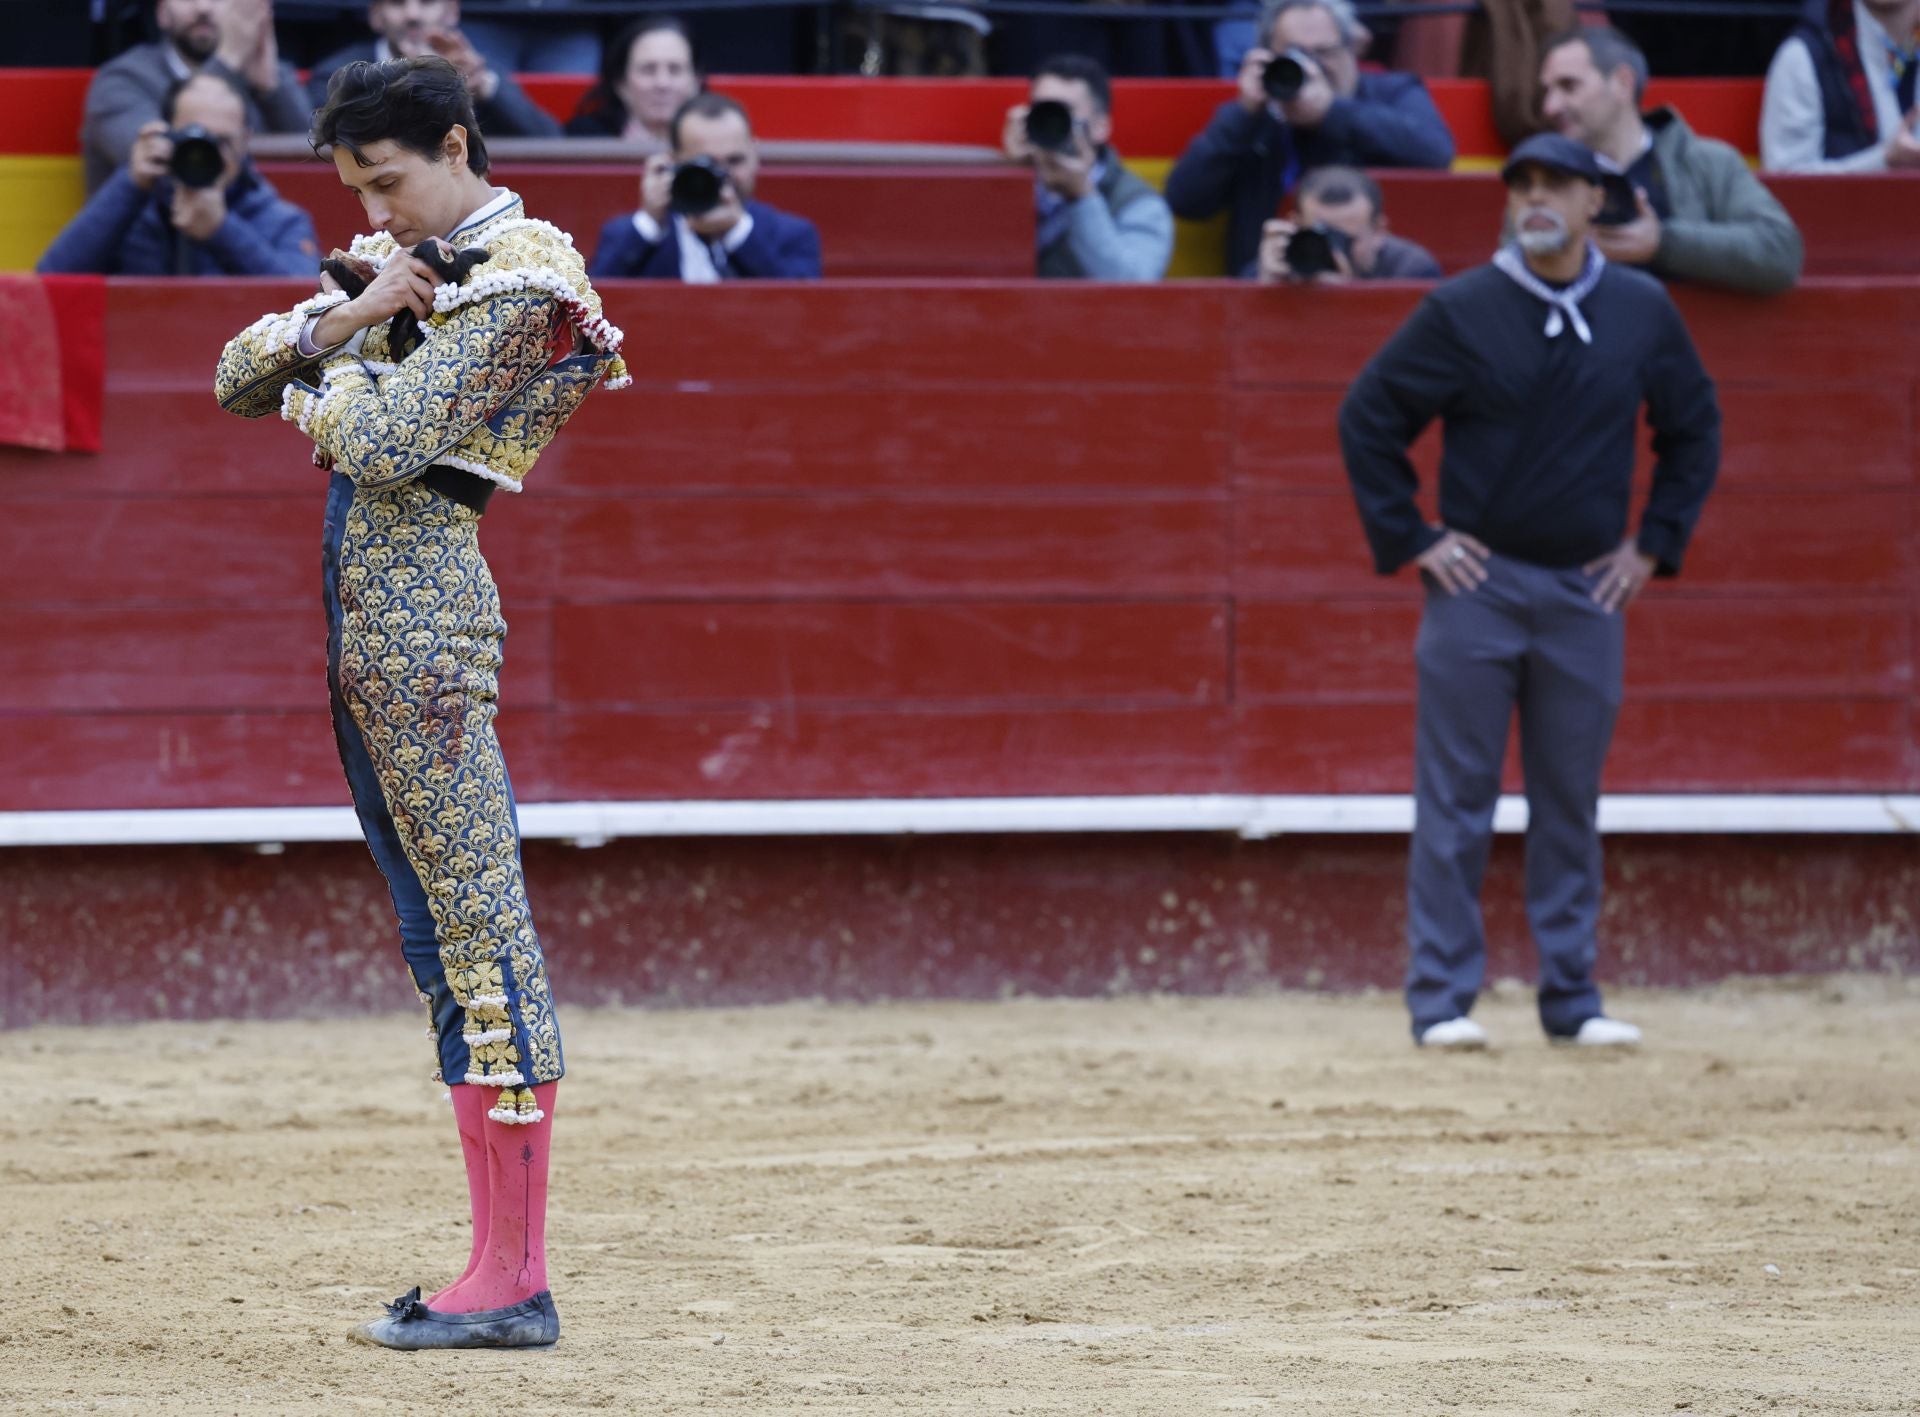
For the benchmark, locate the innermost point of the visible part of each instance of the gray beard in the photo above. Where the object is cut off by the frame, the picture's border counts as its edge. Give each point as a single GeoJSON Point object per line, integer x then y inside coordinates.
{"type": "Point", "coordinates": [1544, 243]}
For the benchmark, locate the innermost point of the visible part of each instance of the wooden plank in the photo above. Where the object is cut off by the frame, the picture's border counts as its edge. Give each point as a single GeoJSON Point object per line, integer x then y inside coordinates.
{"type": "Point", "coordinates": [880, 752]}
{"type": "Point", "coordinates": [1841, 542]}
{"type": "Point", "coordinates": [1303, 544]}
{"type": "Point", "coordinates": [115, 551]}
{"type": "Point", "coordinates": [646, 548]}
{"type": "Point", "coordinates": [1734, 651]}
{"type": "Point", "coordinates": [1326, 747]}
{"type": "Point", "coordinates": [1057, 333]}
{"type": "Point", "coordinates": [1318, 651]}
{"type": "Point", "coordinates": [644, 655]}
{"type": "Point", "coordinates": [1811, 745]}
{"type": "Point", "coordinates": [804, 435]}
{"type": "Point", "coordinates": [88, 761]}
{"type": "Point", "coordinates": [120, 657]}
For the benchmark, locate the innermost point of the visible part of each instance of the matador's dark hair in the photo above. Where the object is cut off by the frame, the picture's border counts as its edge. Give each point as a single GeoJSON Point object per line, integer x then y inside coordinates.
{"type": "Point", "coordinates": [413, 102]}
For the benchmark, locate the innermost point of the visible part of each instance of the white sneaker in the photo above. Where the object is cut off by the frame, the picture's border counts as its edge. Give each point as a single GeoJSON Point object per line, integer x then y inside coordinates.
{"type": "Point", "coordinates": [1456, 1033]}
{"type": "Point", "coordinates": [1604, 1033]}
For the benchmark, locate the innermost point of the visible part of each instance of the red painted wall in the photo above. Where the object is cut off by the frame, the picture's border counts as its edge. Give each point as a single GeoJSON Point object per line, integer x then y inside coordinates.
{"type": "Point", "coordinates": [959, 540]}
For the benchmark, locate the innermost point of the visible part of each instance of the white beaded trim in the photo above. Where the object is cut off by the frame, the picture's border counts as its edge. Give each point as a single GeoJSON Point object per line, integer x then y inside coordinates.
{"type": "Point", "coordinates": [485, 284]}
{"type": "Point", "coordinates": [514, 1119]}
{"type": "Point", "coordinates": [480, 469]}
{"type": "Point", "coordinates": [283, 331]}
{"type": "Point", "coordinates": [512, 1079]}
{"type": "Point", "coordinates": [492, 1035]}
{"type": "Point", "coordinates": [301, 418]}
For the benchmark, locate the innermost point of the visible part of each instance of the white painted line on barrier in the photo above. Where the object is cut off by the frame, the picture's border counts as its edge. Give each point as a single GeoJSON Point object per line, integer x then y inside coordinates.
{"type": "Point", "coordinates": [1253, 817]}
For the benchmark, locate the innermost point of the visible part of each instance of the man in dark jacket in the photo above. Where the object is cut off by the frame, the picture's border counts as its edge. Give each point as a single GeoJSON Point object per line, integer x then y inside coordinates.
{"type": "Point", "coordinates": [406, 29]}
{"type": "Point", "coordinates": [1539, 366]}
{"type": "Point", "coordinates": [735, 238]}
{"type": "Point", "coordinates": [1256, 148]}
{"type": "Point", "coordinates": [145, 222]}
{"type": "Point", "coordinates": [1093, 219]}
{"type": "Point", "coordinates": [234, 37]}
{"type": "Point", "coordinates": [1689, 207]}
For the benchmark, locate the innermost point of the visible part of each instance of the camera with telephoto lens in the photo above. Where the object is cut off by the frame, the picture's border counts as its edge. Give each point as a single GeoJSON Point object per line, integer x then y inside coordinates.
{"type": "Point", "coordinates": [1286, 74]}
{"type": "Point", "coordinates": [1051, 126]}
{"type": "Point", "coordinates": [197, 160]}
{"type": "Point", "coordinates": [698, 185]}
{"type": "Point", "coordinates": [1310, 250]}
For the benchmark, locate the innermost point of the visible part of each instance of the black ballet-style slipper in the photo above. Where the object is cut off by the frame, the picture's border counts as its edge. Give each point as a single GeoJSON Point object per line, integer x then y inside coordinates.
{"type": "Point", "coordinates": [410, 1324]}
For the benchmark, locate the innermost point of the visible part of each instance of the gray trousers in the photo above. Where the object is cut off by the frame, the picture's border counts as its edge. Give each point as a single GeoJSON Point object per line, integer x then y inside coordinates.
{"type": "Point", "coordinates": [1532, 639]}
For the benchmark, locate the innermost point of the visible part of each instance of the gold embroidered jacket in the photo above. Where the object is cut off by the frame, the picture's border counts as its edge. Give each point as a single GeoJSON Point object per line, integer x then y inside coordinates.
{"type": "Point", "coordinates": [503, 362]}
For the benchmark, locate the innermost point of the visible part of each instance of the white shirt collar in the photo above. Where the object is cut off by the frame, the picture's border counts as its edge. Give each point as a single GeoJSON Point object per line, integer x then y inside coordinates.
{"type": "Point", "coordinates": [176, 62]}
{"type": "Point", "coordinates": [382, 51]}
{"type": "Point", "coordinates": [503, 197]}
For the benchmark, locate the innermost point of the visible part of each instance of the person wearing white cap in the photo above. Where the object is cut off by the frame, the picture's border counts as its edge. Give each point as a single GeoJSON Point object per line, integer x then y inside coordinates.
{"type": "Point", "coordinates": [1538, 365]}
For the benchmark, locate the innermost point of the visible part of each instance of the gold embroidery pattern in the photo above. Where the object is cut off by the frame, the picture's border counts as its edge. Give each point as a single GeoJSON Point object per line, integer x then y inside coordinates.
{"type": "Point", "coordinates": [420, 655]}
{"type": "Point", "coordinates": [507, 358]}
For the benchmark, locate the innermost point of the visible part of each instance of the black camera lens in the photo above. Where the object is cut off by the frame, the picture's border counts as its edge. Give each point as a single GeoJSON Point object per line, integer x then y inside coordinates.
{"type": "Point", "coordinates": [1310, 250]}
{"type": "Point", "coordinates": [1285, 76]}
{"type": "Point", "coordinates": [197, 160]}
{"type": "Point", "coordinates": [697, 186]}
{"type": "Point", "coordinates": [1050, 126]}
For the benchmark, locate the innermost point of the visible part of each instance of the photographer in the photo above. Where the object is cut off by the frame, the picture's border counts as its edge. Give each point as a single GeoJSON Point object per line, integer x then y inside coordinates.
{"type": "Point", "coordinates": [232, 37]}
{"type": "Point", "coordinates": [188, 202]}
{"type": "Point", "coordinates": [1094, 220]}
{"type": "Point", "coordinates": [698, 222]}
{"type": "Point", "coordinates": [1303, 103]}
{"type": "Point", "coordinates": [1341, 236]}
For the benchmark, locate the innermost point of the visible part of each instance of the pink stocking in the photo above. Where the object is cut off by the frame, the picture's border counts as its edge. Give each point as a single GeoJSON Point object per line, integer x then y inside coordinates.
{"type": "Point", "coordinates": [512, 1265]}
{"type": "Point", "coordinates": [469, 1112]}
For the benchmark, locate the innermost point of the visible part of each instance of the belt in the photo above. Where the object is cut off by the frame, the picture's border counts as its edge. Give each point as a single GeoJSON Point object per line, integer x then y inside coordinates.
{"type": "Point", "coordinates": [460, 485]}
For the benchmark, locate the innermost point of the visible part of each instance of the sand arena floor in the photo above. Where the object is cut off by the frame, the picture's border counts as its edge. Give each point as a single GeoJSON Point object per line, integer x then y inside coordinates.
{"type": "Point", "coordinates": [1151, 1206]}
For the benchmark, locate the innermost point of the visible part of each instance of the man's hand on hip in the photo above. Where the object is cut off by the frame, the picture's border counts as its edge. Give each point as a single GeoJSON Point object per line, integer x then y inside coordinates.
{"type": "Point", "coordinates": [1457, 561]}
{"type": "Point", "coordinates": [1621, 575]}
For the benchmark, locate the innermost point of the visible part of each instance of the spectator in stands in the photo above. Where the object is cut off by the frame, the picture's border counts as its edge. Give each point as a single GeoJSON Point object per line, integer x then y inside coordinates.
{"type": "Point", "coordinates": [732, 238]}
{"type": "Point", "coordinates": [536, 43]}
{"type": "Point", "coordinates": [145, 222]}
{"type": "Point", "coordinates": [1253, 152]}
{"type": "Point", "coordinates": [1697, 212]}
{"type": "Point", "coordinates": [232, 36]}
{"type": "Point", "coordinates": [1343, 200]}
{"type": "Point", "coordinates": [407, 29]}
{"type": "Point", "coordinates": [1094, 220]}
{"type": "Point", "coordinates": [1840, 92]}
{"type": "Point", "coordinates": [650, 70]}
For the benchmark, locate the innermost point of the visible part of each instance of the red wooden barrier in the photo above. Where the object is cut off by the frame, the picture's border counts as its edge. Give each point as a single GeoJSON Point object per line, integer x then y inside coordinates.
{"type": "Point", "coordinates": [981, 540]}
{"type": "Point", "coordinates": [875, 222]}
{"type": "Point", "coordinates": [1851, 225]}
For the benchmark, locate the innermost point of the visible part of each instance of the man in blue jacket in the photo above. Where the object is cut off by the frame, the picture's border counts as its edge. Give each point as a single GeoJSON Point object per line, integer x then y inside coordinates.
{"type": "Point", "coordinates": [145, 222]}
{"type": "Point", "coordinates": [736, 238]}
{"type": "Point", "coordinates": [1257, 147]}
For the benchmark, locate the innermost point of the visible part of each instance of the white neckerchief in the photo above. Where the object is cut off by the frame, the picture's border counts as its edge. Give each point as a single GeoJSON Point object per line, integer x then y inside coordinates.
{"type": "Point", "coordinates": [1564, 305]}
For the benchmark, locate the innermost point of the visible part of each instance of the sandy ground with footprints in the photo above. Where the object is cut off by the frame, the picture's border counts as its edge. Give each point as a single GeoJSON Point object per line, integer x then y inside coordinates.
{"type": "Point", "coordinates": [1137, 1205]}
